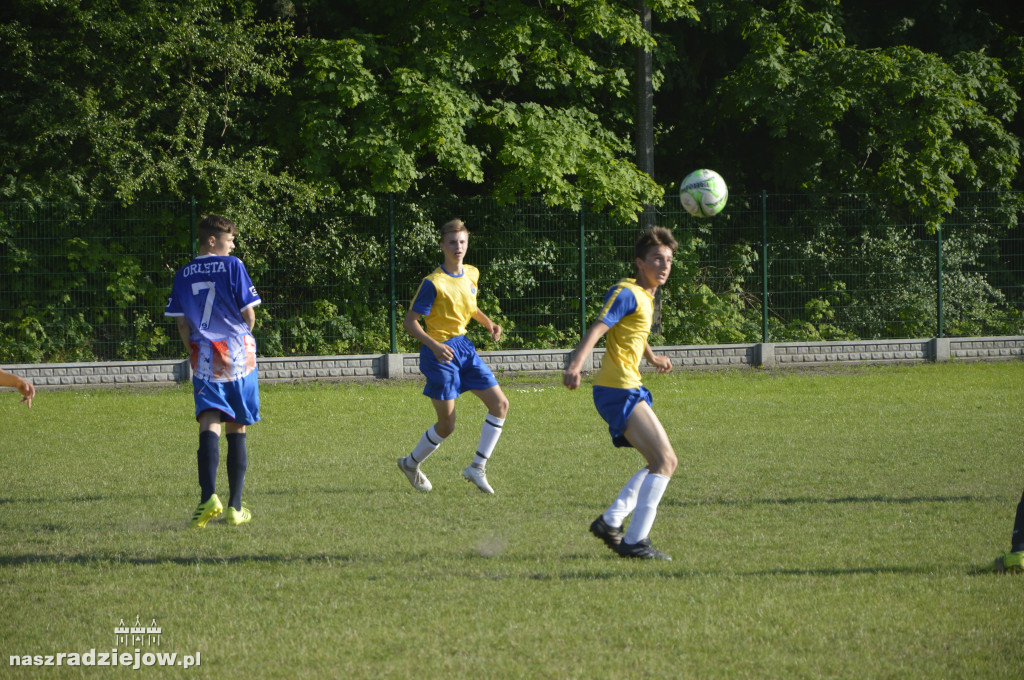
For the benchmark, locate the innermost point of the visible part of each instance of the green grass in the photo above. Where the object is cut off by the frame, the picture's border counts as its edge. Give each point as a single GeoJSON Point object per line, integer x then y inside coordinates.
{"type": "Point", "coordinates": [823, 524]}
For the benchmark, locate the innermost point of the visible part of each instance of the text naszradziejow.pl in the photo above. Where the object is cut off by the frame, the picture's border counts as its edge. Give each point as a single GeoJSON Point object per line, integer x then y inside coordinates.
{"type": "Point", "coordinates": [136, 659]}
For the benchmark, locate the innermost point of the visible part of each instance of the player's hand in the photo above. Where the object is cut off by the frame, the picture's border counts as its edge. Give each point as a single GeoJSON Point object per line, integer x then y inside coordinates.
{"type": "Point", "coordinates": [443, 352]}
{"type": "Point", "coordinates": [495, 332]}
{"type": "Point", "coordinates": [662, 363]}
{"type": "Point", "coordinates": [28, 391]}
{"type": "Point", "coordinates": [571, 378]}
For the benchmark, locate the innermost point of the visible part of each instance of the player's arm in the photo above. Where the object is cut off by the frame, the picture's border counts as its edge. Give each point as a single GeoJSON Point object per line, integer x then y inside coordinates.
{"type": "Point", "coordinates": [411, 324]}
{"type": "Point", "coordinates": [184, 331]}
{"type": "Point", "coordinates": [27, 389]}
{"type": "Point", "coordinates": [492, 328]}
{"type": "Point", "coordinates": [662, 363]}
{"type": "Point", "coordinates": [249, 317]}
{"type": "Point", "coordinates": [571, 377]}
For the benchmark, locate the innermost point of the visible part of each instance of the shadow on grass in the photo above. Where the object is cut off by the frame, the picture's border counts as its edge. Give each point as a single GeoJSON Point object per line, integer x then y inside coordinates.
{"type": "Point", "coordinates": [91, 560]}
{"type": "Point", "coordinates": [52, 499]}
{"type": "Point", "coordinates": [490, 569]}
{"type": "Point", "coordinates": [810, 500]}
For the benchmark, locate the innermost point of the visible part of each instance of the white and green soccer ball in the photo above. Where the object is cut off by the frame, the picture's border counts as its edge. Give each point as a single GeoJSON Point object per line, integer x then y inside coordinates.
{"type": "Point", "coordinates": [703, 193]}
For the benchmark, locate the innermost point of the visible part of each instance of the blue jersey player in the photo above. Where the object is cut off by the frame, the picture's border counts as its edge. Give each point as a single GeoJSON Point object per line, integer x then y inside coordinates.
{"type": "Point", "coordinates": [213, 303]}
{"type": "Point", "coordinates": [446, 300]}
{"type": "Point", "coordinates": [624, 403]}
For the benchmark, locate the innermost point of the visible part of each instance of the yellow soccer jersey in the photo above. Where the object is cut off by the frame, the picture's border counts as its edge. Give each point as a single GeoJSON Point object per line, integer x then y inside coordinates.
{"type": "Point", "coordinates": [447, 302]}
{"type": "Point", "coordinates": [628, 311]}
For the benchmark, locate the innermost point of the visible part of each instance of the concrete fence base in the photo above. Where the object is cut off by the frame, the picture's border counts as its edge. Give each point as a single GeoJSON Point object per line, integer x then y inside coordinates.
{"type": "Point", "coordinates": [406, 366]}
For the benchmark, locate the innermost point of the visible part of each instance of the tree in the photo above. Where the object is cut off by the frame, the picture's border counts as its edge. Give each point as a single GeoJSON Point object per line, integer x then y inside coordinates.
{"type": "Point", "coordinates": [787, 102]}
{"type": "Point", "coordinates": [502, 98]}
{"type": "Point", "coordinates": [105, 100]}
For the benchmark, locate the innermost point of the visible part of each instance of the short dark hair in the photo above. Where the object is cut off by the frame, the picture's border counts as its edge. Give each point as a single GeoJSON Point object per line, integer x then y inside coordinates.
{"type": "Point", "coordinates": [214, 225]}
{"type": "Point", "coordinates": [652, 238]}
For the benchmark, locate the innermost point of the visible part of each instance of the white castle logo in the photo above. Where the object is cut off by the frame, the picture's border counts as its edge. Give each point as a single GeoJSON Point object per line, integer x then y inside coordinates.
{"type": "Point", "coordinates": [137, 634]}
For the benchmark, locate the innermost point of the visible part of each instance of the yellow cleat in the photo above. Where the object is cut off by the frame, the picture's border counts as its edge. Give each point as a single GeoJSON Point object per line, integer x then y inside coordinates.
{"type": "Point", "coordinates": [236, 517]}
{"type": "Point", "coordinates": [1010, 562]}
{"type": "Point", "coordinates": [205, 512]}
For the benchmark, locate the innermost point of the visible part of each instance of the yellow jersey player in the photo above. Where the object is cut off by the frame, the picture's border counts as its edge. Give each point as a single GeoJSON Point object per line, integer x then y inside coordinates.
{"type": "Point", "coordinates": [624, 403]}
{"type": "Point", "coordinates": [446, 300]}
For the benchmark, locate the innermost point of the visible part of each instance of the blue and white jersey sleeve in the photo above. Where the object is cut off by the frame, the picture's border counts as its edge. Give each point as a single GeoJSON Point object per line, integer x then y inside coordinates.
{"type": "Point", "coordinates": [245, 291]}
{"type": "Point", "coordinates": [425, 297]}
{"type": "Point", "coordinates": [618, 303]}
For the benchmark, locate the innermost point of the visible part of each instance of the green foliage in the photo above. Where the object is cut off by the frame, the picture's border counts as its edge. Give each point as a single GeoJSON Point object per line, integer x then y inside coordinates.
{"type": "Point", "coordinates": [88, 282]}
{"type": "Point", "coordinates": [107, 101]}
{"type": "Point", "coordinates": [307, 122]}
{"type": "Point", "coordinates": [848, 109]}
{"type": "Point", "coordinates": [513, 99]}
{"type": "Point", "coordinates": [902, 101]}
{"type": "Point", "coordinates": [836, 270]}
{"type": "Point", "coordinates": [705, 303]}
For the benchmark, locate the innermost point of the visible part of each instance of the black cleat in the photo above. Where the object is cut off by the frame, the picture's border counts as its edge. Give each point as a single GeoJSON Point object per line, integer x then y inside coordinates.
{"type": "Point", "coordinates": [642, 549]}
{"type": "Point", "coordinates": [611, 536]}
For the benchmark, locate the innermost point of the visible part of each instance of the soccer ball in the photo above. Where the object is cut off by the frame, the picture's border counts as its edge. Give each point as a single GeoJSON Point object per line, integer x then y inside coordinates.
{"type": "Point", "coordinates": [703, 193]}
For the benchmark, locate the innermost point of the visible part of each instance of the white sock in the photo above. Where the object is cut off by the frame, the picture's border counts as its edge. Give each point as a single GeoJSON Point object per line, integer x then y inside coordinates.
{"type": "Point", "coordinates": [427, 445]}
{"type": "Point", "coordinates": [647, 501]}
{"type": "Point", "coordinates": [615, 515]}
{"type": "Point", "coordinates": [489, 434]}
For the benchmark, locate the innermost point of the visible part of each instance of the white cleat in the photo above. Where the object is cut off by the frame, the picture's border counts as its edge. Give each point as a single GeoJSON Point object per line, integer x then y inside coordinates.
{"type": "Point", "coordinates": [418, 480]}
{"type": "Point", "coordinates": [479, 477]}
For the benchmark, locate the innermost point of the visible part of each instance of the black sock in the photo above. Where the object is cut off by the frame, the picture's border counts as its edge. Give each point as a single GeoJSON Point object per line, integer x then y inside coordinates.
{"type": "Point", "coordinates": [1017, 540]}
{"type": "Point", "coordinates": [209, 458]}
{"type": "Point", "coordinates": [238, 461]}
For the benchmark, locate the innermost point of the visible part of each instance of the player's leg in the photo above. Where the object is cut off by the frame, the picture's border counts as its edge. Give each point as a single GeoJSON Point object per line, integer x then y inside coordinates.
{"type": "Point", "coordinates": [1017, 539]}
{"type": "Point", "coordinates": [497, 409]}
{"type": "Point", "coordinates": [207, 458]}
{"type": "Point", "coordinates": [238, 462]}
{"type": "Point", "coordinates": [437, 433]}
{"type": "Point", "coordinates": [645, 432]}
{"type": "Point", "coordinates": [243, 395]}
{"type": "Point", "coordinates": [476, 376]}
{"type": "Point", "coordinates": [608, 525]}
{"type": "Point", "coordinates": [429, 442]}
{"type": "Point", "coordinates": [1014, 560]}
{"type": "Point", "coordinates": [442, 387]}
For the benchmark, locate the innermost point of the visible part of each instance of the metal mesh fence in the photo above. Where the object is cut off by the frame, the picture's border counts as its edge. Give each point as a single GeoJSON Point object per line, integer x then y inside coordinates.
{"type": "Point", "coordinates": [89, 282]}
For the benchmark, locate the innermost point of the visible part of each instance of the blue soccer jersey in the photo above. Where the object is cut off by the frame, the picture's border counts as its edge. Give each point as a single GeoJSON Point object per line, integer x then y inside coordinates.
{"type": "Point", "coordinates": [211, 292]}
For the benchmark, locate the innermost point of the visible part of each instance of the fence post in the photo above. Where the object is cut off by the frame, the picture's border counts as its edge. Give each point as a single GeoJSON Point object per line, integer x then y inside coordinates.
{"type": "Point", "coordinates": [764, 266]}
{"type": "Point", "coordinates": [391, 267]}
{"type": "Point", "coordinates": [938, 280]}
{"type": "Point", "coordinates": [583, 273]}
{"type": "Point", "coordinates": [192, 225]}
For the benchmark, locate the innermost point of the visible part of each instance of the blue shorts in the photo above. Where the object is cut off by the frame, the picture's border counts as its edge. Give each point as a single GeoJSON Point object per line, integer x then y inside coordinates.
{"type": "Point", "coordinates": [616, 406]}
{"type": "Point", "coordinates": [238, 401]}
{"type": "Point", "coordinates": [466, 371]}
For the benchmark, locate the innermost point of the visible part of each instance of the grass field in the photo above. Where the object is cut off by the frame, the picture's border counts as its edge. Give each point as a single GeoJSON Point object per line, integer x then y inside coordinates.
{"type": "Point", "coordinates": [823, 525]}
